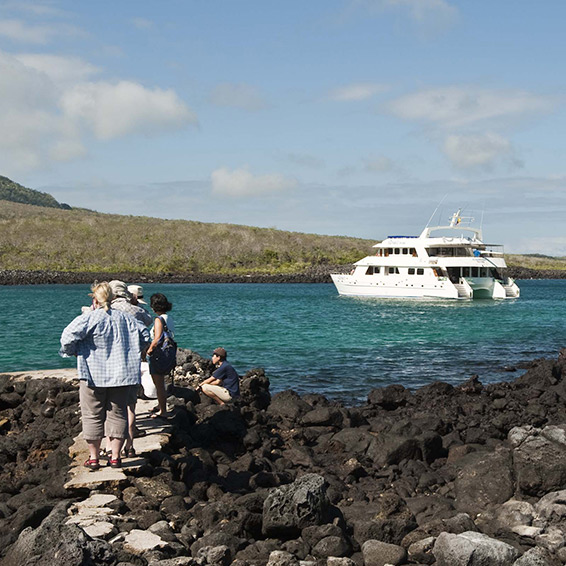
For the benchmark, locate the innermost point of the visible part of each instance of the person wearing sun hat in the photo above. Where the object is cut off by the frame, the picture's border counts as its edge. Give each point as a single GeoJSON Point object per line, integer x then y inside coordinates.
{"type": "Point", "coordinates": [137, 293]}
{"type": "Point", "coordinates": [123, 301]}
{"type": "Point", "coordinates": [224, 384]}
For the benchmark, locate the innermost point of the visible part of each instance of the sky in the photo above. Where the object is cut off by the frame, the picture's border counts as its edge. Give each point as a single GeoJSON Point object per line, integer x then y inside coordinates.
{"type": "Point", "coordinates": [348, 117]}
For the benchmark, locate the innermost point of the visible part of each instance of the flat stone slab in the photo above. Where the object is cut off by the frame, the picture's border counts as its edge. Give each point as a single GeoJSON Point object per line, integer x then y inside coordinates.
{"type": "Point", "coordinates": [84, 478]}
{"type": "Point", "coordinates": [157, 436]}
{"type": "Point", "coordinates": [95, 500]}
{"type": "Point", "coordinates": [138, 541]}
{"type": "Point", "coordinates": [102, 529]}
{"type": "Point", "coordinates": [66, 374]}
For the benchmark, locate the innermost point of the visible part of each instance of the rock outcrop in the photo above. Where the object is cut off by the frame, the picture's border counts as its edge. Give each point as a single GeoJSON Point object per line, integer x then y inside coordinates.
{"type": "Point", "coordinates": [442, 475]}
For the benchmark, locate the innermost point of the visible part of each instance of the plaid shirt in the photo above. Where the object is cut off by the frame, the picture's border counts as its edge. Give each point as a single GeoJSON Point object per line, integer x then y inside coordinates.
{"type": "Point", "coordinates": [139, 313]}
{"type": "Point", "coordinates": [108, 347]}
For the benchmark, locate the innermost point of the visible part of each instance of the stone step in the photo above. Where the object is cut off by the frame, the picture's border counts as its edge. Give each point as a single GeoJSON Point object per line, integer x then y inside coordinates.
{"type": "Point", "coordinates": [157, 436]}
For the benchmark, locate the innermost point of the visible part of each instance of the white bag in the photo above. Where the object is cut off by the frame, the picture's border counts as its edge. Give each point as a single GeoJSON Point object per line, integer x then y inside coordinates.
{"type": "Point", "coordinates": [147, 383]}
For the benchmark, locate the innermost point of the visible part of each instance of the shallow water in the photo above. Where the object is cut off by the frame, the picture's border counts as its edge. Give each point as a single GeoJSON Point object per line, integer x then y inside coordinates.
{"type": "Point", "coordinates": [312, 340]}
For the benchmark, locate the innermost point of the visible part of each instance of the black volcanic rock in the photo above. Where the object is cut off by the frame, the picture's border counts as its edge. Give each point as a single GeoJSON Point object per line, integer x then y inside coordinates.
{"type": "Point", "coordinates": [303, 476]}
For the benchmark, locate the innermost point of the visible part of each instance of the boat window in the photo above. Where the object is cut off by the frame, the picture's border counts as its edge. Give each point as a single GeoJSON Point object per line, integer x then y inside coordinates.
{"type": "Point", "coordinates": [376, 270]}
{"type": "Point", "coordinates": [420, 271]}
{"type": "Point", "coordinates": [369, 270]}
{"type": "Point", "coordinates": [475, 272]}
{"type": "Point", "coordinates": [397, 251]}
{"type": "Point", "coordinates": [393, 270]}
{"type": "Point", "coordinates": [411, 270]}
{"type": "Point", "coordinates": [405, 251]}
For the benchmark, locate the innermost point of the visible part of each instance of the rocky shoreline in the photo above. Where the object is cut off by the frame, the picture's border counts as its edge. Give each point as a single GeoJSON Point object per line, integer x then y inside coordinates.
{"type": "Point", "coordinates": [315, 274]}
{"type": "Point", "coordinates": [471, 475]}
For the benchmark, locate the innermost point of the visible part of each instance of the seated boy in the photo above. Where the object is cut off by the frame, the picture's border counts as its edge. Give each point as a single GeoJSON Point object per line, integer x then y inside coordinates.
{"type": "Point", "coordinates": [224, 384]}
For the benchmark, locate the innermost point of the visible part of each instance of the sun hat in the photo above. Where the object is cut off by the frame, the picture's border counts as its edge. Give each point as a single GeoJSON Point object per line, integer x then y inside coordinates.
{"type": "Point", "coordinates": [137, 291]}
{"type": "Point", "coordinates": [120, 289]}
{"type": "Point", "coordinates": [220, 352]}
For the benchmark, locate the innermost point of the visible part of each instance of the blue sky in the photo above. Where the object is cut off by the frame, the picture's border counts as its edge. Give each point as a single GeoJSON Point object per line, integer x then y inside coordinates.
{"type": "Point", "coordinates": [351, 117]}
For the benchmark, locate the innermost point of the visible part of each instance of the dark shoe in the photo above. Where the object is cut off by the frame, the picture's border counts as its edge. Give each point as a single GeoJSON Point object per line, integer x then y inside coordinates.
{"type": "Point", "coordinates": [92, 464]}
{"type": "Point", "coordinates": [115, 463]}
{"type": "Point", "coordinates": [130, 453]}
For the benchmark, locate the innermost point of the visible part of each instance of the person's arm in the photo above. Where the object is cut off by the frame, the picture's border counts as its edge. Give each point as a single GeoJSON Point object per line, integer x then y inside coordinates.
{"type": "Point", "coordinates": [147, 318]}
{"type": "Point", "coordinates": [213, 379]}
{"type": "Point", "coordinates": [72, 335]}
{"type": "Point", "coordinates": [157, 332]}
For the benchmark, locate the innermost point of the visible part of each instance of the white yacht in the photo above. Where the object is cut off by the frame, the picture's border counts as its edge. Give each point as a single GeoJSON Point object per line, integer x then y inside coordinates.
{"type": "Point", "coordinates": [448, 267]}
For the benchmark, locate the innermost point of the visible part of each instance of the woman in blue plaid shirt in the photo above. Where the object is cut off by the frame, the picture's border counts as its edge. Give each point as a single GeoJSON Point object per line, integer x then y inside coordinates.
{"type": "Point", "coordinates": [108, 344]}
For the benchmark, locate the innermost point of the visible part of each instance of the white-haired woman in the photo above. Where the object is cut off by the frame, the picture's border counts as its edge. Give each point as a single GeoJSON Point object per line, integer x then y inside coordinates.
{"type": "Point", "coordinates": [108, 345]}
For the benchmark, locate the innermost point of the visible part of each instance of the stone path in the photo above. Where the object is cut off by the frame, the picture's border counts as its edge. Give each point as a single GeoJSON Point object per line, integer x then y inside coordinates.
{"type": "Point", "coordinates": [66, 374]}
{"type": "Point", "coordinates": [158, 433]}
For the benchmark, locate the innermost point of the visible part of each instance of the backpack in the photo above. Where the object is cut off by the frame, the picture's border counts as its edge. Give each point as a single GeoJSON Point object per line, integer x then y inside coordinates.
{"type": "Point", "coordinates": [164, 356]}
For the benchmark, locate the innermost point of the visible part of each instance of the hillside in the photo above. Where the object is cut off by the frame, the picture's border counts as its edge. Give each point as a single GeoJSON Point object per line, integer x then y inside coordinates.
{"type": "Point", "coordinates": [76, 240]}
{"type": "Point", "coordinates": [74, 244]}
{"type": "Point", "coordinates": [14, 192]}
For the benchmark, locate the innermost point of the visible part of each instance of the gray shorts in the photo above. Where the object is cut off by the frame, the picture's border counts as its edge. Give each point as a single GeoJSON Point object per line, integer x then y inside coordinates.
{"type": "Point", "coordinates": [104, 410]}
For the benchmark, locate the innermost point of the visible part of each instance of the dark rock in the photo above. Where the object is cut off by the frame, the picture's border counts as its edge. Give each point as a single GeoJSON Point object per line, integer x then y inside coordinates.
{"type": "Point", "coordinates": [288, 405]}
{"type": "Point", "coordinates": [484, 479]}
{"type": "Point", "coordinates": [377, 553]}
{"type": "Point", "coordinates": [290, 508]}
{"type": "Point", "coordinates": [390, 397]}
{"type": "Point", "coordinates": [55, 542]}
{"type": "Point", "coordinates": [387, 519]}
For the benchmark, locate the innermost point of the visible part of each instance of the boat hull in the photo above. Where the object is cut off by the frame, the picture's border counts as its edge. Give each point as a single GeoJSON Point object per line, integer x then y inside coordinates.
{"type": "Point", "coordinates": [350, 286]}
{"type": "Point", "coordinates": [480, 288]}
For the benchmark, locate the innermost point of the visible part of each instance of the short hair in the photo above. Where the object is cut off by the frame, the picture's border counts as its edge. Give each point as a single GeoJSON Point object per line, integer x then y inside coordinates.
{"type": "Point", "coordinates": [102, 293]}
{"type": "Point", "coordinates": [159, 303]}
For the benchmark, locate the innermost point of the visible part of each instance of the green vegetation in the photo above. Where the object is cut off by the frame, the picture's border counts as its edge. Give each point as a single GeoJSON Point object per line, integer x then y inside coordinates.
{"type": "Point", "coordinates": [55, 237]}
{"type": "Point", "coordinates": [17, 193]}
{"type": "Point", "coordinates": [76, 240]}
{"type": "Point", "coordinates": [537, 262]}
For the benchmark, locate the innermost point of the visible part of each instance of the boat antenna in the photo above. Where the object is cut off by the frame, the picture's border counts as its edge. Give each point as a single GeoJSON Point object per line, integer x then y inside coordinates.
{"type": "Point", "coordinates": [435, 210]}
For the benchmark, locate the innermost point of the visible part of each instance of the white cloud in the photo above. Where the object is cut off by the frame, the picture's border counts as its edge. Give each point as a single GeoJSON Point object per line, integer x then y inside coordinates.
{"type": "Point", "coordinates": [453, 107]}
{"type": "Point", "coordinates": [378, 164]}
{"type": "Point", "coordinates": [243, 96]}
{"type": "Point", "coordinates": [242, 183]}
{"type": "Point", "coordinates": [21, 32]}
{"type": "Point", "coordinates": [115, 110]}
{"type": "Point", "coordinates": [305, 160]}
{"type": "Point", "coordinates": [425, 11]}
{"type": "Point", "coordinates": [44, 116]}
{"type": "Point", "coordinates": [427, 15]}
{"type": "Point", "coordinates": [142, 23]}
{"type": "Point", "coordinates": [58, 68]}
{"type": "Point", "coordinates": [478, 150]}
{"type": "Point", "coordinates": [553, 246]}
{"type": "Point", "coordinates": [356, 92]}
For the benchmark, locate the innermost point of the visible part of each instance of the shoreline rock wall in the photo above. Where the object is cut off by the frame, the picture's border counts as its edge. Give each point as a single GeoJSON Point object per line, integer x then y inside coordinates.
{"type": "Point", "coordinates": [317, 274]}
{"type": "Point", "coordinates": [469, 475]}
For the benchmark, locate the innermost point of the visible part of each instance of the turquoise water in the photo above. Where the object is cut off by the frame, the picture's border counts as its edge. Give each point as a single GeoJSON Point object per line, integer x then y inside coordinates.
{"type": "Point", "coordinates": [312, 340]}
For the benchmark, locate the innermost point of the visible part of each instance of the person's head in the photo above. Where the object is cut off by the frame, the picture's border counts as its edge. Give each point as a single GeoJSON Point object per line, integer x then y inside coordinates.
{"type": "Point", "coordinates": [120, 290]}
{"type": "Point", "coordinates": [102, 295]}
{"type": "Point", "coordinates": [137, 293]}
{"type": "Point", "coordinates": [219, 355]}
{"type": "Point", "coordinates": [159, 303]}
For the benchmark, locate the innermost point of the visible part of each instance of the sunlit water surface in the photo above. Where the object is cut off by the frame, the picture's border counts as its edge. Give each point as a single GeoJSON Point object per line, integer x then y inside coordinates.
{"type": "Point", "coordinates": [312, 340]}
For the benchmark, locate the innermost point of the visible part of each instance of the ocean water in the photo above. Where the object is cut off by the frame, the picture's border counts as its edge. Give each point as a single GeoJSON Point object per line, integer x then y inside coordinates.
{"type": "Point", "coordinates": [309, 338]}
